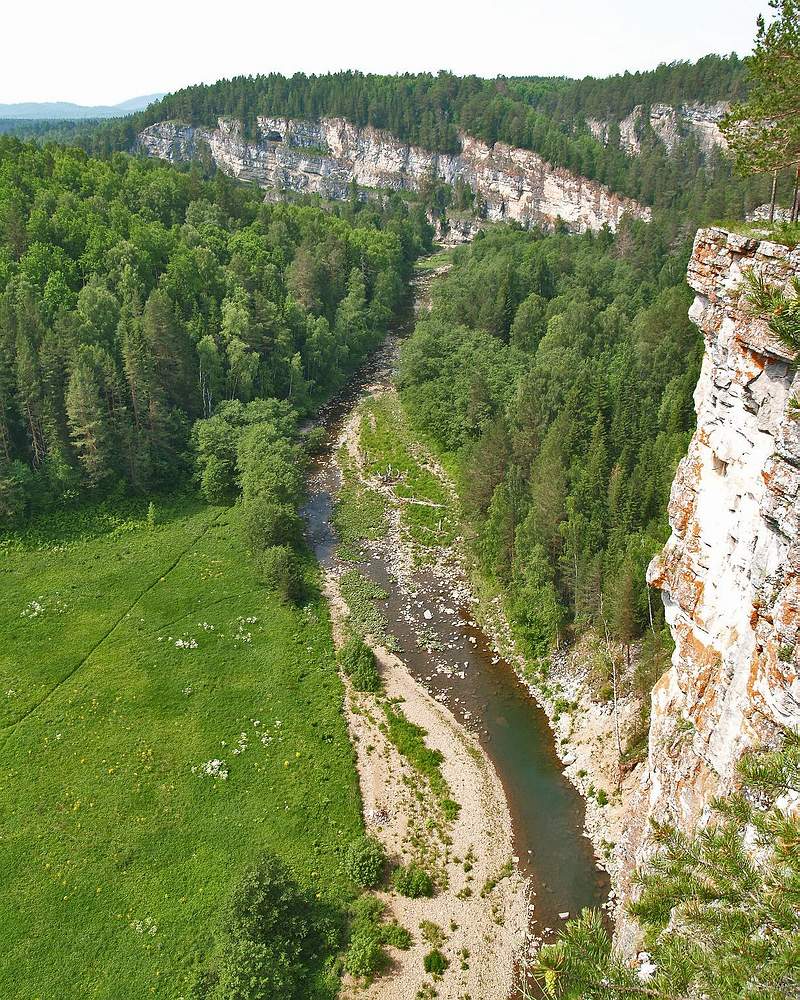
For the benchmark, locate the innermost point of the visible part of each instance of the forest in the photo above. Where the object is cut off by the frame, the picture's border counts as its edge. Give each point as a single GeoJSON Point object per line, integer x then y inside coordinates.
{"type": "Point", "coordinates": [134, 298]}
{"type": "Point", "coordinates": [559, 371]}
{"type": "Point", "coordinates": [546, 115]}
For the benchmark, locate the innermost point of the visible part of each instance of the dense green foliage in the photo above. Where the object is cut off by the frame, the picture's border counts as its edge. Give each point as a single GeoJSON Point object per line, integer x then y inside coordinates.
{"type": "Point", "coordinates": [365, 862]}
{"type": "Point", "coordinates": [132, 656]}
{"type": "Point", "coordinates": [764, 131]}
{"type": "Point", "coordinates": [357, 660]}
{"type": "Point", "coordinates": [560, 371]}
{"type": "Point", "coordinates": [710, 79]}
{"type": "Point", "coordinates": [721, 908]}
{"type": "Point", "coordinates": [369, 935]}
{"type": "Point", "coordinates": [412, 881]}
{"type": "Point", "coordinates": [134, 298]}
{"type": "Point", "coordinates": [276, 938]}
{"type": "Point", "coordinates": [67, 130]}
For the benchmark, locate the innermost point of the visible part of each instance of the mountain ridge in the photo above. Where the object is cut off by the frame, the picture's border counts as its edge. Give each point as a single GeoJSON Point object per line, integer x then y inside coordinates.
{"type": "Point", "coordinates": [67, 110]}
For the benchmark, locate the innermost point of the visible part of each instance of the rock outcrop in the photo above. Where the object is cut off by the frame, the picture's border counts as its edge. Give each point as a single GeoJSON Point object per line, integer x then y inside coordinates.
{"type": "Point", "coordinates": [323, 157]}
{"type": "Point", "coordinates": [670, 124]}
{"type": "Point", "coordinates": [730, 572]}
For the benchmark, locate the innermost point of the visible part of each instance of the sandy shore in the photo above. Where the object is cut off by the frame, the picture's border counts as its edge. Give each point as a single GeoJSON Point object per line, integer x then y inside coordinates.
{"type": "Point", "coordinates": [480, 902]}
{"type": "Point", "coordinates": [484, 930]}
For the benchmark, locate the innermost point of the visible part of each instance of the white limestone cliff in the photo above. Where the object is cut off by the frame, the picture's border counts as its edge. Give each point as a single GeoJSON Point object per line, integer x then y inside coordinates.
{"type": "Point", "coordinates": [323, 157]}
{"type": "Point", "coordinates": [671, 124]}
{"type": "Point", "coordinates": [730, 572]}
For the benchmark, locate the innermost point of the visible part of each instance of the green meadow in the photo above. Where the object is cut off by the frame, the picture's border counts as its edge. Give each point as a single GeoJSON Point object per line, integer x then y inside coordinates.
{"type": "Point", "coordinates": [165, 720]}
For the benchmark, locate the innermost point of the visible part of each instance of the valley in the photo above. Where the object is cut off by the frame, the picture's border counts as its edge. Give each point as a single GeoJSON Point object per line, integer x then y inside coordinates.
{"type": "Point", "coordinates": [399, 519]}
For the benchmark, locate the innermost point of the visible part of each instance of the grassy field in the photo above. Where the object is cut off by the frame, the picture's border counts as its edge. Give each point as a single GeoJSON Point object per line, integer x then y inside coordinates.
{"type": "Point", "coordinates": [434, 260]}
{"type": "Point", "coordinates": [130, 658]}
{"type": "Point", "coordinates": [390, 450]}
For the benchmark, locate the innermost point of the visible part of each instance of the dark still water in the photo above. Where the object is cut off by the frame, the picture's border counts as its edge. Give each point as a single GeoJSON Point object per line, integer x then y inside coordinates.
{"type": "Point", "coordinates": [445, 650]}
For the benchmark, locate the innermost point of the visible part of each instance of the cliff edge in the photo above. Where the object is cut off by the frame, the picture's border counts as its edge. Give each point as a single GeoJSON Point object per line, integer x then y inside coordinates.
{"type": "Point", "coordinates": [730, 572]}
{"type": "Point", "coordinates": [323, 157]}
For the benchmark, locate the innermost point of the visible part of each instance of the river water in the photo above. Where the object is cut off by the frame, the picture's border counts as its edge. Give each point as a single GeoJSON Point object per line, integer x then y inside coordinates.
{"type": "Point", "coordinates": [431, 616]}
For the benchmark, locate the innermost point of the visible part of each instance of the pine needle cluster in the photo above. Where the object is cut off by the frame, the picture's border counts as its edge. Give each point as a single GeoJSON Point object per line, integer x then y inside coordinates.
{"type": "Point", "coordinates": [720, 908]}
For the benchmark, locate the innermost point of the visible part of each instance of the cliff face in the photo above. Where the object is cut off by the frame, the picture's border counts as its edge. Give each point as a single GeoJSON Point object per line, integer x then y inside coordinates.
{"type": "Point", "coordinates": [670, 124]}
{"type": "Point", "coordinates": [323, 157]}
{"type": "Point", "coordinates": [730, 573]}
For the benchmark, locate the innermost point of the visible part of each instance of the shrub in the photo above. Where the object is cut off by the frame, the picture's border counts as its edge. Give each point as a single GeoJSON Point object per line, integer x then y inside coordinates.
{"type": "Point", "coordinates": [267, 523]}
{"type": "Point", "coordinates": [280, 571]}
{"type": "Point", "coordinates": [412, 881]}
{"type": "Point", "coordinates": [358, 661]}
{"type": "Point", "coordinates": [366, 910]}
{"type": "Point", "coordinates": [450, 809]}
{"type": "Point", "coordinates": [365, 862]}
{"type": "Point", "coordinates": [365, 954]}
{"type": "Point", "coordinates": [274, 935]}
{"type": "Point", "coordinates": [432, 933]}
{"type": "Point", "coordinates": [435, 962]}
{"type": "Point", "coordinates": [396, 936]}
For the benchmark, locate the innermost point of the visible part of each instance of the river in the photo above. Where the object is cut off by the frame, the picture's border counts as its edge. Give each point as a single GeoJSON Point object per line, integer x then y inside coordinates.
{"type": "Point", "coordinates": [460, 667]}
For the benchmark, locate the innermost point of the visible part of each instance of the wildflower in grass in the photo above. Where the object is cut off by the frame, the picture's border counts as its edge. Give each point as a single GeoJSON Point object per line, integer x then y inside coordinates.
{"type": "Point", "coordinates": [147, 926]}
{"type": "Point", "coordinates": [215, 768]}
{"type": "Point", "coordinates": [186, 643]}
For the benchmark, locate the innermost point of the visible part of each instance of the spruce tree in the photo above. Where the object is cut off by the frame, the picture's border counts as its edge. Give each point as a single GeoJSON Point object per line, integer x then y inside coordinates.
{"type": "Point", "coordinates": [88, 420]}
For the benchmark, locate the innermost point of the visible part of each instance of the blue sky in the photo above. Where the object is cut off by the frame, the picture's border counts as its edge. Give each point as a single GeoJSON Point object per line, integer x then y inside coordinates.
{"type": "Point", "coordinates": [101, 52]}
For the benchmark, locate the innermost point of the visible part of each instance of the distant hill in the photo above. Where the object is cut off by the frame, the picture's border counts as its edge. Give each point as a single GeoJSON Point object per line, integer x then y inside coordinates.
{"type": "Point", "coordinates": [51, 110]}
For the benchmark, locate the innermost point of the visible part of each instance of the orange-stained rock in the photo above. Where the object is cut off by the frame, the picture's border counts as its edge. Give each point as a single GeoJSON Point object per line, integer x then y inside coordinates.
{"type": "Point", "coordinates": [730, 572]}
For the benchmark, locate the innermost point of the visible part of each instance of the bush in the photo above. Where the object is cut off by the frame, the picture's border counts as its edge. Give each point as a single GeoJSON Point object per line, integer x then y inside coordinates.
{"type": "Point", "coordinates": [358, 661]}
{"type": "Point", "coordinates": [365, 954]}
{"type": "Point", "coordinates": [280, 571]}
{"type": "Point", "coordinates": [396, 936]}
{"type": "Point", "coordinates": [365, 862]}
{"type": "Point", "coordinates": [267, 523]}
{"type": "Point", "coordinates": [275, 936]}
{"type": "Point", "coordinates": [435, 962]}
{"type": "Point", "coordinates": [412, 881]}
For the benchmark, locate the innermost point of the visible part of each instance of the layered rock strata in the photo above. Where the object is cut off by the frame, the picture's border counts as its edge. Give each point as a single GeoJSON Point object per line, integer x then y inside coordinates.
{"type": "Point", "coordinates": [324, 157]}
{"type": "Point", "coordinates": [671, 125]}
{"type": "Point", "coordinates": [730, 572]}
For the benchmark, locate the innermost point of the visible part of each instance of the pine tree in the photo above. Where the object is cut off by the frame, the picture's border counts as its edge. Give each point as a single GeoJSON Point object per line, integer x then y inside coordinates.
{"type": "Point", "coordinates": [764, 132]}
{"type": "Point", "coordinates": [721, 907]}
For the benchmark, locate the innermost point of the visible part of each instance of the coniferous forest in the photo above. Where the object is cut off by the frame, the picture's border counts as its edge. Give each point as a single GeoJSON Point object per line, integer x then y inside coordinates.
{"type": "Point", "coordinates": [233, 766]}
{"type": "Point", "coordinates": [560, 371]}
{"type": "Point", "coordinates": [136, 299]}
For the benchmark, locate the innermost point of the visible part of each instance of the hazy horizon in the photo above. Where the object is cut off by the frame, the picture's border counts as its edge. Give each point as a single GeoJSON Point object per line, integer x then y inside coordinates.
{"type": "Point", "coordinates": [80, 59]}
